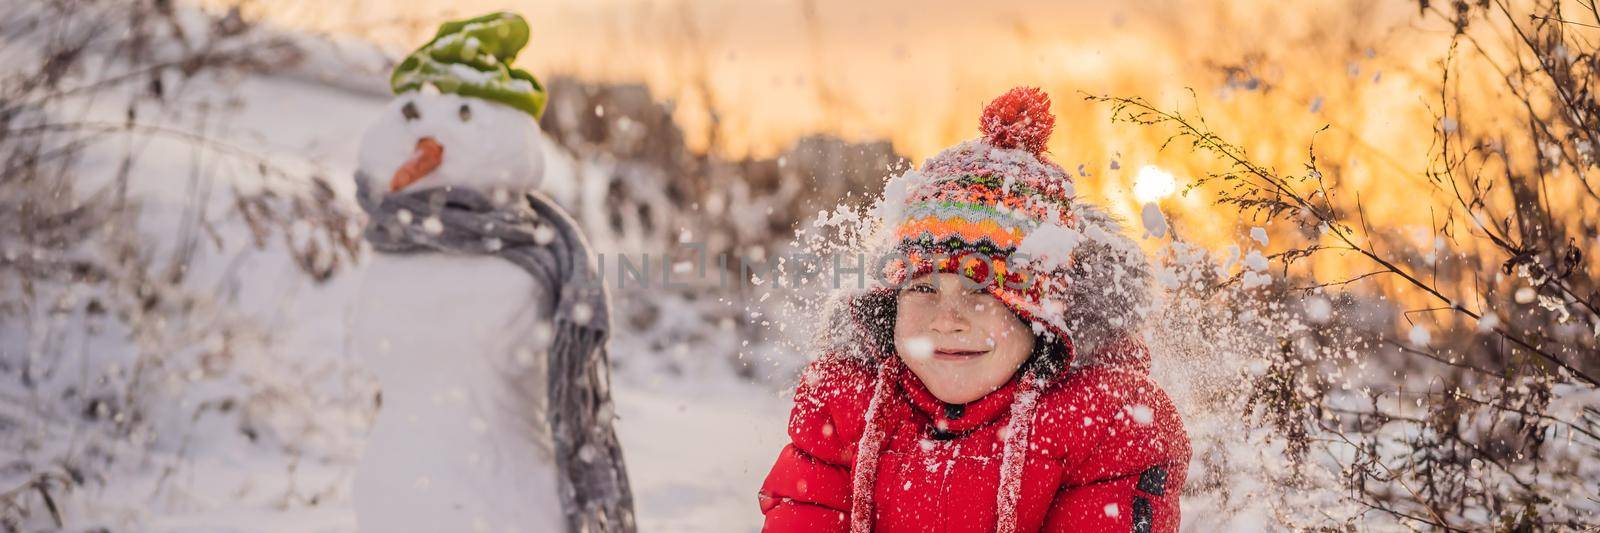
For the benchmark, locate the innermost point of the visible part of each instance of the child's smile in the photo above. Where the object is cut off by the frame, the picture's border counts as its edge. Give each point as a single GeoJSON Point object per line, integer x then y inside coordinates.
{"type": "Point", "coordinates": [957, 354]}
{"type": "Point", "coordinates": [958, 339]}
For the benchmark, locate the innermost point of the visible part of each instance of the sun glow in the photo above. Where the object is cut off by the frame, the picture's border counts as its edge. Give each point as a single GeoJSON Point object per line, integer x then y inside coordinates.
{"type": "Point", "coordinates": [1152, 184]}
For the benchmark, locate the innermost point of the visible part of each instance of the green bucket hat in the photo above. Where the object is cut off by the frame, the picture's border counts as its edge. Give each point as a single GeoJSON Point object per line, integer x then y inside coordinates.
{"type": "Point", "coordinates": [473, 58]}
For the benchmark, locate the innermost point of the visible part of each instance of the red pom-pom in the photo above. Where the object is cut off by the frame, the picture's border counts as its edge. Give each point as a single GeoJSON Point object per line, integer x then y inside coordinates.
{"type": "Point", "coordinates": [1020, 118]}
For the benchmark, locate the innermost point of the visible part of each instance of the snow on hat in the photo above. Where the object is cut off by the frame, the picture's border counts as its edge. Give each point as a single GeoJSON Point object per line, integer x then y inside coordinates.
{"type": "Point", "coordinates": [978, 209]}
{"type": "Point", "coordinates": [995, 210]}
{"type": "Point", "coordinates": [473, 58]}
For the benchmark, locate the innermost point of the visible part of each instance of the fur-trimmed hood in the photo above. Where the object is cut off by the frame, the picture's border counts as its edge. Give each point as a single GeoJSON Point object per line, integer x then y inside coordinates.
{"type": "Point", "coordinates": [1110, 295]}
{"type": "Point", "coordinates": [1107, 299]}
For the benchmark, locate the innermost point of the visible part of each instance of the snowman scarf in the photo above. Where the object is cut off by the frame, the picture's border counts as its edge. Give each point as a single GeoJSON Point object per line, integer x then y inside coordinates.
{"type": "Point", "coordinates": [536, 235]}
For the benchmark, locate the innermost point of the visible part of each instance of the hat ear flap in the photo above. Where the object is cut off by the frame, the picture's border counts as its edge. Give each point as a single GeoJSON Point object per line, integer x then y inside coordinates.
{"type": "Point", "coordinates": [859, 325]}
{"type": "Point", "coordinates": [872, 314]}
{"type": "Point", "coordinates": [1050, 356]}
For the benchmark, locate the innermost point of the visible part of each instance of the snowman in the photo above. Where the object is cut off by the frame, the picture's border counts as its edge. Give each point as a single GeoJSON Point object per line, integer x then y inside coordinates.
{"type": "Point", "coordinates": [457, 341]}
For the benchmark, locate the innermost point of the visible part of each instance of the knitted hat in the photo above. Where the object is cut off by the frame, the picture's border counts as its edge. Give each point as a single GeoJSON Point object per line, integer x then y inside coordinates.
{"type": "Point", "coordinates": [473, 58]}
{"type": "Point", "coordinates": [995, 210]}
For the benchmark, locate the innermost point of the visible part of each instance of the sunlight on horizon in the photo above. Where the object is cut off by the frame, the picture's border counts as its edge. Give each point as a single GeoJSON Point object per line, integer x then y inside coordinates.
{"type": "Point", "coordinates": [1267, 76]}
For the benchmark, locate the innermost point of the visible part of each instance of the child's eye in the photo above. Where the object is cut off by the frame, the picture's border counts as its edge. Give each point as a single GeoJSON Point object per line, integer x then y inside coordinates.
{"type": "Point", "coordinates": [923, 288]}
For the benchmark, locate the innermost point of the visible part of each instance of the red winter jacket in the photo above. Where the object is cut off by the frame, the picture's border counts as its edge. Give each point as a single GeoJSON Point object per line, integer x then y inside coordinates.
{"type": "Point", "coordinates": [1104, 451]}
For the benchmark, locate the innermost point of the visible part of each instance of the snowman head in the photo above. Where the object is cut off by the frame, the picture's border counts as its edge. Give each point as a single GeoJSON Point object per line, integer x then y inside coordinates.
{"type": "Point", "coordinates": [430, 139]}
{"type": "Point", "coordinates": [462, 117]}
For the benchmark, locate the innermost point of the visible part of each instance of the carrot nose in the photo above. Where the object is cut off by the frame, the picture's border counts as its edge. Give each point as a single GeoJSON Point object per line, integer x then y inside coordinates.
{"type": "Point", "coordinates": [424, 158]}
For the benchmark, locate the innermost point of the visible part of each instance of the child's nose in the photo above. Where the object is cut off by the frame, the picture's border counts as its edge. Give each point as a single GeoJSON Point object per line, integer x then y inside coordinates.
{"type": "Point", "coordinates": [948, 317]}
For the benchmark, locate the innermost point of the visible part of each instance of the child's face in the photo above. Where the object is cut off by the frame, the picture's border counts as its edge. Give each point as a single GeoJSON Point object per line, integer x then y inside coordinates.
{"type": "Point", "coordinates": [957, 338]}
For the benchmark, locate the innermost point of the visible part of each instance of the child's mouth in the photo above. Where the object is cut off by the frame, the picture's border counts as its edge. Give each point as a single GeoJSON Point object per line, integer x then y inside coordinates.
{"type": "Point", "coordinates": [956, 354]}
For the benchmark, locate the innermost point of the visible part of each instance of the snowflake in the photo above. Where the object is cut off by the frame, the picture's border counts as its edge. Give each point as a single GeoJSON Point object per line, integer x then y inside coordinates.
{"type": "Point", "coordinates": [1142, 414]}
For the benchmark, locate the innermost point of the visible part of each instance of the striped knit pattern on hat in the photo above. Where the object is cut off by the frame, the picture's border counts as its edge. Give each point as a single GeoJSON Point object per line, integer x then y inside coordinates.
{"type": "Point", "coordinates": [995, 210]}
{"type": "Point", "coordinates": [972, 210]}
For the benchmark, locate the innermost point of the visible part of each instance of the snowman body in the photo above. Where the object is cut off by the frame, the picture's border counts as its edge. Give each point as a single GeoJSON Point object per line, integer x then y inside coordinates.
{"type": "Point", "coordinates": [458, 342]}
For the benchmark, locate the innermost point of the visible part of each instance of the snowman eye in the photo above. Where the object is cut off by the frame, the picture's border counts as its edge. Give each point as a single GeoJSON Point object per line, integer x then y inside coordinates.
{"type": "Point", "coordinates": [410, 111]}
{"type": "Point", "coordinates": [465, 112]}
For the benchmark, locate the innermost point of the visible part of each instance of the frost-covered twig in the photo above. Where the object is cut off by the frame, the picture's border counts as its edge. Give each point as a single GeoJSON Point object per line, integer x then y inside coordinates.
{"type": "Point", "coordinates": [1261, 191]}
{"type": "Point", "coordinates": [1456, 426]}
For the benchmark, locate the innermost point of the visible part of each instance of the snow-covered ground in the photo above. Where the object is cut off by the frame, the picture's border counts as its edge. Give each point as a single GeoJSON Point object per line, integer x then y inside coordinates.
{"type": "Point", "coordinates": [697, 442]}
{"type": "Point", "coordinates": [256, 411]}
{"type": "Point", "coordinates": [698, 439]}
{"type": "Point", "coordinates": [697, 445]}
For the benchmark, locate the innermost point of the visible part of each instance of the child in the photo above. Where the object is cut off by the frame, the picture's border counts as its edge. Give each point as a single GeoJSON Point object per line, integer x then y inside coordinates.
{"type": "Point", "coordinates": [998, 383]}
